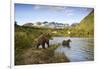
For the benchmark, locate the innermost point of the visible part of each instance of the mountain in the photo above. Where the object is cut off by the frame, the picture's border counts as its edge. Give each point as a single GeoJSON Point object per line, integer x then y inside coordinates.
{"type": "Point", "coordinates": [85, 27]}
{"type": "Point", "coordinates": [88, 22]}
{"type": "Point", "coordinates": [74, 24]}
{"type": "Point", "coordinates": [28, 24]}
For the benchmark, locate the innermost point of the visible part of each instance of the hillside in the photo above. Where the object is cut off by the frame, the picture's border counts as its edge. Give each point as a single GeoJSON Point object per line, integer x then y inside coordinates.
{"type": "Point", "coordinates": [87, 23]}
{"type": "Point", "coordinates": [86, 27]}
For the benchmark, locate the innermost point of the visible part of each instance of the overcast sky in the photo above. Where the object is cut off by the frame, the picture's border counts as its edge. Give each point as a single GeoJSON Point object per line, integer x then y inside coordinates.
{"type": "Point", "coordinates": [25, 13]}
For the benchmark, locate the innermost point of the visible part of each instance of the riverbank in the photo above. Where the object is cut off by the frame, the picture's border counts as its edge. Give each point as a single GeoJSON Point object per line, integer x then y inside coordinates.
{"type": "Point", "coordinates": [40, 56]}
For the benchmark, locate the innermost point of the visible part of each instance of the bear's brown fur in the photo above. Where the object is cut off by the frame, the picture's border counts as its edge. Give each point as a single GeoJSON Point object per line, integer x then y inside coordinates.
{"type": "Point", "coordinates": [66, 43]}
{"type": "Point", "coordinates": [42, 40]}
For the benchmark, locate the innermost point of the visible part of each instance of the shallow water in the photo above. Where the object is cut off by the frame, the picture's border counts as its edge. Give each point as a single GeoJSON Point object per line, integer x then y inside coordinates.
{"type": "Point", "coordinates": [82, 49]}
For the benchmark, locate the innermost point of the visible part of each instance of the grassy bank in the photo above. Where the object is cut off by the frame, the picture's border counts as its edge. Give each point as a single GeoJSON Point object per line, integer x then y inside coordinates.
{"type": "Point", "coordinates": [40, 56]}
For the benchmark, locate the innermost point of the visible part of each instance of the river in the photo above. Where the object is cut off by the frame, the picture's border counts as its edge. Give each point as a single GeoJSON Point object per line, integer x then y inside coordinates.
{"type": "Point", "coordinates": [82, 49]}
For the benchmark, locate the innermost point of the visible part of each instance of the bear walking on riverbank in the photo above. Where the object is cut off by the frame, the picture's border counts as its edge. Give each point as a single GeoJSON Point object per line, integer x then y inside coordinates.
{"type": "Point", "coordinates": [42, 40]}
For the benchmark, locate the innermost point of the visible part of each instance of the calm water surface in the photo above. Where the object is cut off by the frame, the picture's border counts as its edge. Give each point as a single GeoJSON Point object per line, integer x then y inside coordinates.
{"type": "Point", "coordinates": [82, 49]}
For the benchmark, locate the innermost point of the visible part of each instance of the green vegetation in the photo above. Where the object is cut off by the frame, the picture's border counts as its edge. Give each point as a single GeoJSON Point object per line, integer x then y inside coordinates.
{"type": "Point", "coordinates": [85, 28]}
{"type": "Point", "coordinates": [25, 53]}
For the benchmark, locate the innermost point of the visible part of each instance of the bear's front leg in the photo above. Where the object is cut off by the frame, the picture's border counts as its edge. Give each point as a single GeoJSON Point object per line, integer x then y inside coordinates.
{"type": "Point", "coordinates": [47, 43]}
{"type": "Point", "coordinates": [37, 45]}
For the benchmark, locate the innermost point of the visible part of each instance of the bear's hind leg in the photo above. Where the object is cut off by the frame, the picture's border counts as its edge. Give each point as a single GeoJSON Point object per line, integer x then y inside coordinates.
{"type": "Point", "coordinates": [43, 45]}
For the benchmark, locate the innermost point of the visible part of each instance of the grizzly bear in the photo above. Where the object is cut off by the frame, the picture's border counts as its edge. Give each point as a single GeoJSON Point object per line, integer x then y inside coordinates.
{"type": "Point", "coordinates": [66, 43]}
{"type": "Point", "coordinates": [43, 39]}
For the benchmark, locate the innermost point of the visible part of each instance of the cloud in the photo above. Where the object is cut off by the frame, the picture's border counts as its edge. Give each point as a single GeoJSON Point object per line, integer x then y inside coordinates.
{"type": "Point", "coordinates": [37, 7]}
{"type": "Point", "coordinates": [58, 8]}
{"type": "Point", "coordinates": [48, 7]}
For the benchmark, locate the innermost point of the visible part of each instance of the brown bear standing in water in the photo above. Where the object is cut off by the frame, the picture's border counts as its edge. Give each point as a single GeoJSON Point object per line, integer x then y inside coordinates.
{"type": "Point", "coordinates": [42, 40]}
{"type": "Point", "coordinates": [66, 43]}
